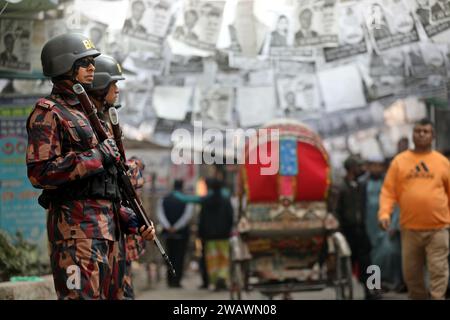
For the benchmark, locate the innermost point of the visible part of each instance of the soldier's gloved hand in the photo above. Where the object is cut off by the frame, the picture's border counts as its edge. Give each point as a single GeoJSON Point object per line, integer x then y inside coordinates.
{"type": "Point", "coordinates": [109, 151]}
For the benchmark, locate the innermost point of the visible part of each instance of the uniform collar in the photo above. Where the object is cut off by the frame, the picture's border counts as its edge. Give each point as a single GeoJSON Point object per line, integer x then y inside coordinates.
{"type": "Point", "coordinates": [63, 90]}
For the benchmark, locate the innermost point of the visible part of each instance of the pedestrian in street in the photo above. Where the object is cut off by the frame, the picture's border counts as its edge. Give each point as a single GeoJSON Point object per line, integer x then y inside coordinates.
{"type": "Point", "coordinates": [418, 180]}
{"type": "Point", "coordinates": [175, 215]}
{"type": "Point", "coordinates": [447, 295]}
{"type": "Point", "coordinates": [202, 266]}
{"type": "Point", "coordinates": [351, 213]}
{"type": "Point", "coordinates": [78, 176]}
{"type": "Point", "coordinates": [214, 228]}
{"type": "Point", "coordinates": [215, 224]}
{"type": "Point", "coordinates": [385, 245]}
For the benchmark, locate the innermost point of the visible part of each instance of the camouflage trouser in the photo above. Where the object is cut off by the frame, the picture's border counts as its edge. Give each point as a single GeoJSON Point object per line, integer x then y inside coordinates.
{"type": "Point", "coordinates": [86, 269]}
{"type": "Point", "coordinates": [129, 250]}
{"type": "Point", "coordinates": [128, 291]}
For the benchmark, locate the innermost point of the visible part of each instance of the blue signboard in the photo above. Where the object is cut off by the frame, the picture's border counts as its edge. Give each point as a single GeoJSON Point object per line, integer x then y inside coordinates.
{"type": "Point", "coordinates": [19, 209]}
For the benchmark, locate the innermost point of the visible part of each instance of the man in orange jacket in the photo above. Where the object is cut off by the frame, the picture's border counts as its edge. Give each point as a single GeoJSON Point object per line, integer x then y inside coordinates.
{"type": "Point", "coordinates": [419, 181]}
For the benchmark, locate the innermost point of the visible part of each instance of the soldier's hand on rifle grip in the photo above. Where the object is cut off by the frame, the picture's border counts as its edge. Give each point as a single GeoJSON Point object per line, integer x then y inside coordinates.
{"type": "Point", "coordinates": [147, 233]}
{"type": "Point", "coordinates": [109, 151]}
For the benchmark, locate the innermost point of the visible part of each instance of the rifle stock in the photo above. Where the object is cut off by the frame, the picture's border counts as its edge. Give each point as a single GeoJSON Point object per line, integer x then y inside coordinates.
{"type": "Point", "coordinates": [127, 190]}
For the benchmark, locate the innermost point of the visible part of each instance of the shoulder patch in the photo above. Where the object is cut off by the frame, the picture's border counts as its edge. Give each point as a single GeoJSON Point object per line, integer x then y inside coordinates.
{"type": "Point", "coordinates": [45, 104]}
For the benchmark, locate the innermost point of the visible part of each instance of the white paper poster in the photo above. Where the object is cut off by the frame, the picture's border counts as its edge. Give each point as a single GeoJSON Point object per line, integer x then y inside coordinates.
{"type": "Point", "coordinates": [341, 88]}
{"type": "Point", "coordinates": [148, 20]}
{"type": "Point", "coordinates": [277, 27]}
{"type": "Point", "coordinates": [387, 74]}
{"type": "Point", "coordinates": [352, 39]}
{"type": "Point", "coordinates": [315, 24]}
{"type": "Point", "coordinates": [390, 24]}
{"type": "Point", "coordinates": [213, 106]}
{"type": "Point", "coordinates": [299, 96]}
{"type": "Point", "coordinates": [239, 33]}
{"type": "Point", "coordinates": [96, 31]}
{"type": "Point", "coordinates": [199, 23]}
{"type": "Point", "coordinates": [255, 105]}
{"type": "Point", "coordinates": [433, 18]}
{"type": "Point", "coordinates": [172, 103]}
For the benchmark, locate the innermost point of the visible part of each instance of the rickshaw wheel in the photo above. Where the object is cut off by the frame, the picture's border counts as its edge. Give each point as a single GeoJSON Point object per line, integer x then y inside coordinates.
{"type": "Point", "coordinates": [343, 282]}
{"type": "Point", "coordinates": [236, 281]}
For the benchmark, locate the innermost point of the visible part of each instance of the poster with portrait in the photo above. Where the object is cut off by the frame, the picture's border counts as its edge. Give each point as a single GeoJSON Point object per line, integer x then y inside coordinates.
{"type": "Point", "coordinates": [15, 44]}
{"type": "Point", "coordinates": [315, 24]}
{"type": "Point", "coordinates": [149, 20]}
{"type": "Point", "coordinates": [96, 31]}
{"type": "Point", "coordinates": [352, 41]}
{"type": "Point", "coordinates": [426, 59]}
{"type": "Point", "coordinates": [299, 96]}
{"type": "Point", "coordinates": [390, 24]}
{"type": "Point", "coordinates": [386, 74]}
{"type": "Point", "coordinates": [198, 24]}
{"type": "Point", "coordinates": [433, 18]}
{"type": "Point", "coordinates": [439, 11]}
{"type": "Point", "coordinates": [213, 105]}
{"type": "Point", "coordinates": [427, 72]}
{"type": "Point", "coordinates": [277, 26]}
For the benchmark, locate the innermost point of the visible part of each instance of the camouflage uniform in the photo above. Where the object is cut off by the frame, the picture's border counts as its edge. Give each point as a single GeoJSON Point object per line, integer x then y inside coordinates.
{"type": "Point", "coordinates": [134, 245]}
{"type": "Point", "coordinates": [107, 72]}
{"type": "Point", "coordinates": [83, 232]}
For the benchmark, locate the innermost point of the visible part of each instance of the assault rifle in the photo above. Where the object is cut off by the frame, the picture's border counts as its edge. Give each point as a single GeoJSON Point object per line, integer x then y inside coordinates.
{"type": "Point", "coordinates": [127, 190]}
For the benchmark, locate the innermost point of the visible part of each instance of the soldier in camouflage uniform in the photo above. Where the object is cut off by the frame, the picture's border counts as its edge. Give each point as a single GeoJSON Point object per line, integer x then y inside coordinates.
{"type": "Point", "coordinates": [78, 176]}
{"type": "Point", "coordinates": [103, 93]}
{"type": "Point", "coordinates": [134, 245]}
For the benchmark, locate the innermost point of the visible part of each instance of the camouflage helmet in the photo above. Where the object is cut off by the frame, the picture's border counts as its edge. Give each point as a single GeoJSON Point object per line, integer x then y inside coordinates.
{"type": "Point", "coordinates": [107, 70]}
{"type": "Point", "coordinates": [60, 52]}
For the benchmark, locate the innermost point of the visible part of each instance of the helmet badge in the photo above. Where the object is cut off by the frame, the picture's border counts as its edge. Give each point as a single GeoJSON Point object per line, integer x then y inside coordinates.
{"type": "Point", "coordinates": [88, 44]}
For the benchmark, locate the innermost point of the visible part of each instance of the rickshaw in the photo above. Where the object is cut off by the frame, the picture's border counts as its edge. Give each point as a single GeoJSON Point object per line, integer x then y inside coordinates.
{"type": "Point", "coordinates": [285, 240]}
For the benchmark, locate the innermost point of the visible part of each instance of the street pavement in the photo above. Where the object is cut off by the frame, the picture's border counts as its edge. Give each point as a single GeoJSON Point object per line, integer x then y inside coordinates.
{"type": "Point", "coordinates": [190, 291]}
